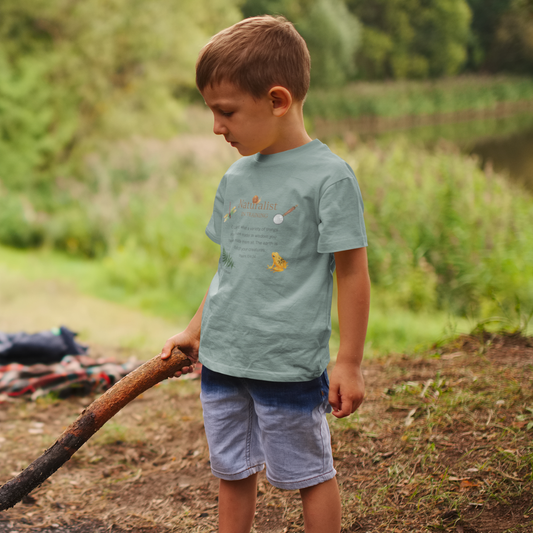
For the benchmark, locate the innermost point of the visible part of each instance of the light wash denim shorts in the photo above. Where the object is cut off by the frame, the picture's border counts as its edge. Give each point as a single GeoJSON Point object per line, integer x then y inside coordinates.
{"type": "Point", "coordinates": [251, 423]}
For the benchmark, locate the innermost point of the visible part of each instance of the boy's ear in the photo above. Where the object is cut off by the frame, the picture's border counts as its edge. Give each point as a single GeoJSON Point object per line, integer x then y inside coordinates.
{"type": "Point", "coordinates": [281, 100]}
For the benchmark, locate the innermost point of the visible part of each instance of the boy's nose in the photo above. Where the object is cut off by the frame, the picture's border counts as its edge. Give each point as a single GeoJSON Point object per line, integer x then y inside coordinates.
{"type": "Point", "coordinates": [219, 128]}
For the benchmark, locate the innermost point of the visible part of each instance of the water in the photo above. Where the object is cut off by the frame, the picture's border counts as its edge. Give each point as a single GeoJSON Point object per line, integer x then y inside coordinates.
{"type": "Point", "coordinates": [512, 155]}
{"type": "Point", "coordinates": [505, 143]}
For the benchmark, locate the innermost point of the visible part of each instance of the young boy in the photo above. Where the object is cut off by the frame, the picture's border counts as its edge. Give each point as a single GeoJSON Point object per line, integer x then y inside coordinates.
{"type": "Point", "coordinates": [285, 216]}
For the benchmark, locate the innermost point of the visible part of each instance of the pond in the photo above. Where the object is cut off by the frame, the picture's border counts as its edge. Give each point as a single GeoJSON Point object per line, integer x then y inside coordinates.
{"type": "Point", "coordinates": [505, 143]}
{"type": "Point", "coordinates": [512, 154]}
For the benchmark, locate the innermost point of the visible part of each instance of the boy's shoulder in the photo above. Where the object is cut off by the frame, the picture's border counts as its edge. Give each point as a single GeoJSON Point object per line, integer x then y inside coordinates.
{"type": "Point", "coordinates": [313, 159]}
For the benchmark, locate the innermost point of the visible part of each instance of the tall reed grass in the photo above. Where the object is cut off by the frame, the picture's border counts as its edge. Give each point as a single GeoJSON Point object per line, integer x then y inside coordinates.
{"type": "Point", "coordinates": [418, 98]}
{"type": "Point", "coordinates": [444, 233]}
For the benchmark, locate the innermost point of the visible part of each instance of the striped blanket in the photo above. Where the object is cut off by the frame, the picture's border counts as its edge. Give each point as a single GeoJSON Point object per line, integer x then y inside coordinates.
{"type": "Point", "coordinates": [74, 374]}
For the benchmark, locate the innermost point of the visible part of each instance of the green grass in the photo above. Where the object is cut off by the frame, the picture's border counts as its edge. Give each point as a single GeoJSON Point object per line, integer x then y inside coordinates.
{"type": "Point", "coordinates": [404, 330]}
{"type": "Point", "coordinates": [44, 289]}
{"type": "Point", "coordinates": [443, 235]}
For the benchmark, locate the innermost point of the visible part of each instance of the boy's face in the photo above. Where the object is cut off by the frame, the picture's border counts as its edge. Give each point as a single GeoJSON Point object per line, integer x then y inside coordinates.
{"type": "Point", "coordinates": [249, 125]}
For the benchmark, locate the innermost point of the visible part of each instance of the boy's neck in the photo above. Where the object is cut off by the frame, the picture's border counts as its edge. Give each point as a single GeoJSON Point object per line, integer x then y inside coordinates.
{"type": "Point", "coordinates": [292, 132]}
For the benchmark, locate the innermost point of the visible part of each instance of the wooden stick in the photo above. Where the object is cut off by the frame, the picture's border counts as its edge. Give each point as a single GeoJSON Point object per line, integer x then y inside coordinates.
{"type": "Point", "coordinates": [89, 422]}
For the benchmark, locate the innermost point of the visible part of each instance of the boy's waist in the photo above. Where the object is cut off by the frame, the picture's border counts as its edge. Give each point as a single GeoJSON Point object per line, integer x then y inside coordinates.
{"type": "Point", "coordinates": [288, 366]}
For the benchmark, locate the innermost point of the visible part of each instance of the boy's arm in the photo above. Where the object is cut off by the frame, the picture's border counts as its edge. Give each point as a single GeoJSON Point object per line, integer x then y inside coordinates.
{"type": "Point", "coordinates": [347, 387]}
{"type": "Point", "coordinates": [188, 341]}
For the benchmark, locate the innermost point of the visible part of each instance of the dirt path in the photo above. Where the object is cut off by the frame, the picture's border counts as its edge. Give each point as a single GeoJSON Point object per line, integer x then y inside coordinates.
{"type": "Point", "coordinates": [443, 442]}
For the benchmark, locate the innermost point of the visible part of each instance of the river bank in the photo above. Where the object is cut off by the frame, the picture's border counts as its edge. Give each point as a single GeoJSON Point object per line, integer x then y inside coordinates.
{"type": "Point", "coordinates": [368, 125]}
{"type": "Point", "coordinates": [384, 104]}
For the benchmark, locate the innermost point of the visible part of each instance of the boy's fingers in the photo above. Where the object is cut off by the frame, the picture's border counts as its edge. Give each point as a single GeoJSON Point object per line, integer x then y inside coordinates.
{"type": "Point", "coordinates": [334, 399]}
{"type": "Point", "coordinates": [343, 406]}
{"type": "Point", "coordinates": [184, 370]}
{"type": "Point", "coordinates": [357, 403]}
{"type": "Point", "coordinates": [342, 410]}
{"type": "Point", "coordinates": [167, 349]}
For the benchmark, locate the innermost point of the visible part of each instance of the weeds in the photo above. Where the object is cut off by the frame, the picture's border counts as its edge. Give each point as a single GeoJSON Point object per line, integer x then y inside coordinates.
{"type": "Point", "coordinates": [418, 98]}
{"type": "Point", "coordinates": [466, 451]}
{"type": "Point", "coordinates": [514, 320]}
{"type": "Point", "coordinates": [459, 252]}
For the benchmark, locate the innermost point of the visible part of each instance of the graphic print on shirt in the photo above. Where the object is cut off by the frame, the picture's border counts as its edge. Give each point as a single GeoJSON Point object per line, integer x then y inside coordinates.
{"type": "Point", "coordinates": [278, 219]}
{"type": "Point", "coordinates": [232, 211]}
{"type": "Point", "coordinates": [256, 238]}
{"type": "Point", "coordinates": [278, 263]}
{"type": "Point", "coordinates": [227, 260]}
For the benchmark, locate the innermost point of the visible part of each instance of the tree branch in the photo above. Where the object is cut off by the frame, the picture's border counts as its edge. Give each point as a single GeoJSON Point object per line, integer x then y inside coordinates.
{"type": "Point", "coordinates": [89, 422]}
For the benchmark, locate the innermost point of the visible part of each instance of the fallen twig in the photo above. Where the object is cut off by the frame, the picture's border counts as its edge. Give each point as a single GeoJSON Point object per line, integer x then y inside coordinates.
{"type": "Point", "coordinates": [88, 423]}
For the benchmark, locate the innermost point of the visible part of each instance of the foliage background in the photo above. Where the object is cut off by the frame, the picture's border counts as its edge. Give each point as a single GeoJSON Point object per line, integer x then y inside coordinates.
{"type": "Point", "coordinates": [74, 75]}
{"type": "Point", "coordinates": [86, 87]}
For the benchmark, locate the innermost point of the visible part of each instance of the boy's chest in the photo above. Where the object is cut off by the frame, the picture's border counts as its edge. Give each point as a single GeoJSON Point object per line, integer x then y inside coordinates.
{"type": "Point", "coordinates": [269, 223]}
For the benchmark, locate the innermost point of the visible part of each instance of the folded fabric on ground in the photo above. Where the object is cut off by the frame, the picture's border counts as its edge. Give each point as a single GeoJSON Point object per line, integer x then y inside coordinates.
{"type": "Point", "coordinates": [74, 374]}
{"type": "Point", "coordinates": [44, 347]}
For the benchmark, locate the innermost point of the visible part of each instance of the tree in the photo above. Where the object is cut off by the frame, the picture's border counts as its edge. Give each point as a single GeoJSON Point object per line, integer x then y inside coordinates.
{"type": "Point", "coordinates": [331, 32]}
{"type": "Point", "coordinates": [512, 48]}
{"type": "Point", "coordinates": [412, 38]}
{"type": "Point", "coordinates": [486, 17]}
{"type": "Point", "coordinates": [74, 72]}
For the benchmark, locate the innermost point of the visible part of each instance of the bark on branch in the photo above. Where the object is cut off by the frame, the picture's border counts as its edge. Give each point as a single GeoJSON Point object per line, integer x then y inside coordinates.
{"type": "Point", "coordinates": [89, 422]}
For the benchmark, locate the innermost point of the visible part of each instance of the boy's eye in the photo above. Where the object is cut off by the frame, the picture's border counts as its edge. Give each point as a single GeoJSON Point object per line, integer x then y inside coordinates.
{"type": "Point", "coordinates": [226, 113]}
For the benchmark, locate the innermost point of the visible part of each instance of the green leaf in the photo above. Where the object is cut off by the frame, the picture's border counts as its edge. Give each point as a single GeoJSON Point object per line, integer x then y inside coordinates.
{"type": "Point", "coordinates": [226, 259]}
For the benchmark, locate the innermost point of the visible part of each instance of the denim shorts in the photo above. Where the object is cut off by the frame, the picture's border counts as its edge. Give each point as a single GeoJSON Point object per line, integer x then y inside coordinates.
{"type": "Point", "coordinates": [251, 423]}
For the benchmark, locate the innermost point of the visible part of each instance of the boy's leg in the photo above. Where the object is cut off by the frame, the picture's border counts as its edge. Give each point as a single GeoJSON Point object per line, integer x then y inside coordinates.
{"type": "Point", "coordinates": [322, 507]}
{"type": "Point", "coordinates": [236, 505]}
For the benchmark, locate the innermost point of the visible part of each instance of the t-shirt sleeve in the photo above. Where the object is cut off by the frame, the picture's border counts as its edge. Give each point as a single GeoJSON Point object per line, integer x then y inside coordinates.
{"type": "Point", "coordinates": [214, 227]}
{"type": "Point", "coordinates": [341, 223]}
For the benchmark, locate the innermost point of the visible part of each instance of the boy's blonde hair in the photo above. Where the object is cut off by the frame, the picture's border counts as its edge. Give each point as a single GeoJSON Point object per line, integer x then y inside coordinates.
{"type": "Point", "coordinates": [256, 54]}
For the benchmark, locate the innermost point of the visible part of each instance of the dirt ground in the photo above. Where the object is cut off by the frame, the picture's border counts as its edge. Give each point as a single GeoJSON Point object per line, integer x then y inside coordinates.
{"type": "Point", "coordinates": [443, 442]}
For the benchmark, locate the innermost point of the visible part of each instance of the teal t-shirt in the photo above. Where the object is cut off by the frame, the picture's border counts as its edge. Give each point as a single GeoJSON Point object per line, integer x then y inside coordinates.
{"type": "Point", "coordinates": [278, 220]}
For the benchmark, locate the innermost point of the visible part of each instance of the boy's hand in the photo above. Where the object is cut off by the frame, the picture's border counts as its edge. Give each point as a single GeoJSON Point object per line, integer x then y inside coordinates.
{"type": "Point", "coordinates": [188, 344]}
{"type": "Point", "coordinates": [346, 389]}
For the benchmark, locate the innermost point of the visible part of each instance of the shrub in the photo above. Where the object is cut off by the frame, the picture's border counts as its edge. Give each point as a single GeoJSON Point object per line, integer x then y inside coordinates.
{"type": "Point", "coordinates": [441, 230]}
